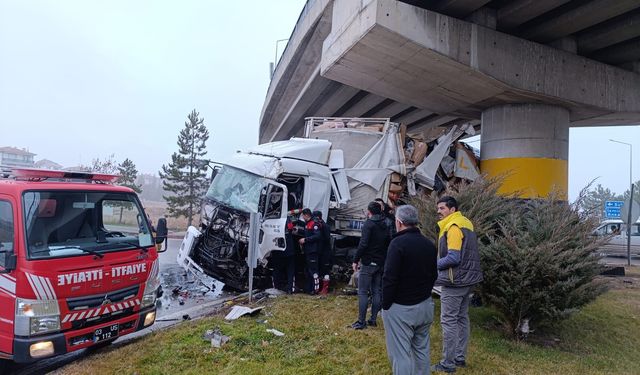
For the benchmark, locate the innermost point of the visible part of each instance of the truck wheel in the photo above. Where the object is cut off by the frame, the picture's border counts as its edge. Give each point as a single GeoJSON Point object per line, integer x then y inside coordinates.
{"type": "Point", "coordinates": [5, 366]}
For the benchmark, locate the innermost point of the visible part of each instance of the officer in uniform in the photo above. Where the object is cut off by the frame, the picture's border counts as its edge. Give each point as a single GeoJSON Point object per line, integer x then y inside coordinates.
{"type": "Point", "coordinates": [311, 245]}
{"type": "Point", "coordinates": [326, 255]}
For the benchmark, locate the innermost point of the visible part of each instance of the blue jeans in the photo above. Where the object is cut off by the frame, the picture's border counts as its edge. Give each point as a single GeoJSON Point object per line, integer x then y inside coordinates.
{"type": "Point", "coordinates": [369, 281]}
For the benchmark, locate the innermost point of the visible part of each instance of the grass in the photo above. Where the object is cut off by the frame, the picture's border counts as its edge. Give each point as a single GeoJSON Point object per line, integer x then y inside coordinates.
{"type": "Point", "coordinates": [604, 337]}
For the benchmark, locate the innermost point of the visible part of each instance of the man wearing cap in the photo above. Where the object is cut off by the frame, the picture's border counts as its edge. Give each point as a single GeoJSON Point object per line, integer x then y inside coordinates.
{"type": "Point", "coordinates": [409, 274]}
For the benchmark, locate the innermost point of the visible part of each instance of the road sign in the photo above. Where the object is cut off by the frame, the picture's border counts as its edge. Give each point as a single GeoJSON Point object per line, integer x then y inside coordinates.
{"type": "Point", "coordinates": [635, 212]}
{"type": "Point", "coordinates": [613, 212]}
{"type": "Point", "coordinates": [612, 204]}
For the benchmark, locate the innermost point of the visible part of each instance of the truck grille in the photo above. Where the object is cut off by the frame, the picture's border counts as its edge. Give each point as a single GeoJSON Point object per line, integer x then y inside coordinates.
{"type": "Point", "coordinates": [82, 303]}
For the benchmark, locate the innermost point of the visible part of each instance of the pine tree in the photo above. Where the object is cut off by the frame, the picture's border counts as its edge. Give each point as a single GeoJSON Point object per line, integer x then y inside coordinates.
{"type": "Point", "coordinates": [128, 175]}
{"type": "Point", "coordinates": [185, 177]}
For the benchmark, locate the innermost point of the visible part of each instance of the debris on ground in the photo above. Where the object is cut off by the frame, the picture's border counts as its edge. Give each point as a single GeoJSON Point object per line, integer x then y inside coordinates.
{"type": "Point", "coordinates": [186, 317]}
{"type": "Point", "coordinates": [216, 337]}
{"type": "Point", "coordinates": [273, 292]}
{"type": "Point", "coordinates": [275, 332]}
{"type": "Point", "coordinates": [238, 311]}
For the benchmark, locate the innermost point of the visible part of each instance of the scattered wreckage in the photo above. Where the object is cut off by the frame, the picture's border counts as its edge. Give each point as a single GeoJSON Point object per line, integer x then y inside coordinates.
{"type": "Point", "coordinates": [337, 168]}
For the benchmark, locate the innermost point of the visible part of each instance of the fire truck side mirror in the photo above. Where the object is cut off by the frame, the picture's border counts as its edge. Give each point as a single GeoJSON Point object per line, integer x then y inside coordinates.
{"type": "Point", "coordinates": [9, 261]}
{"type": "Point", "coordinates": [161, 233]}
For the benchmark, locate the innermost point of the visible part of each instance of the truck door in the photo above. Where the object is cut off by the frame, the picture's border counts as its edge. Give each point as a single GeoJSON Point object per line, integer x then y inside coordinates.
{"type": "Point", "coordinates": [7, 277]}
{"type": "Point", "coordinates": [274, 220]}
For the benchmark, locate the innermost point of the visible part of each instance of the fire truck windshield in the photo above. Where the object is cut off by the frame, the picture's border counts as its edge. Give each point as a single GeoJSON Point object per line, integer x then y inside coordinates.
{"type": "Point", "coordinates": [72, 223]}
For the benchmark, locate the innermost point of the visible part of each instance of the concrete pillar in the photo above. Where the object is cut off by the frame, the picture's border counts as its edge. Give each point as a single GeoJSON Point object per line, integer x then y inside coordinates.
{"type": "Point", "coordinates": [530, 144]}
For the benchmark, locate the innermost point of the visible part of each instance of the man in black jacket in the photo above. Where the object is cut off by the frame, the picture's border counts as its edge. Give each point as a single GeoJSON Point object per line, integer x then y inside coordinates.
{"type": "Point", "coordinates": [409, 274]}
{"type": "Point", "coordinates": [311, 244]}
{"type": "Point", "coordinates": [371, 253]}
{"type": "Point", "coordinates": [326, 253]}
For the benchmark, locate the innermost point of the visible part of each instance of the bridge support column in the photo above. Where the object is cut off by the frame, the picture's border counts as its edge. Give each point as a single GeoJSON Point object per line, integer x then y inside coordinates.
{"type": "Point", "coordinates": [529, 143]}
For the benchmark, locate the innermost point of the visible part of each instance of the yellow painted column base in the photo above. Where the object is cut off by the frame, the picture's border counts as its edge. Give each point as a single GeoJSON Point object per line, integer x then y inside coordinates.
{"type": "Point", "coordinates": [529, 177]}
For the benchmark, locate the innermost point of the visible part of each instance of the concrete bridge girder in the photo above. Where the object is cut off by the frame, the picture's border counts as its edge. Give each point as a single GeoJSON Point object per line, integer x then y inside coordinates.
{"type": "Point", "coordinates": [527, 94]}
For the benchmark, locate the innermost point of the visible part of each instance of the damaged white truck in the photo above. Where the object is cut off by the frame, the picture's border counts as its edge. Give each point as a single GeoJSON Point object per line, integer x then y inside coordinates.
{"type": "Point", "coordinates": [337, 168]}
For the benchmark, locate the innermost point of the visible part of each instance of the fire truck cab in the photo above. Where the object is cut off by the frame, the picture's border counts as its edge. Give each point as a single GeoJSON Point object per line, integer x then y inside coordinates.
{"type": "Point", "coordinates": [78, 263]}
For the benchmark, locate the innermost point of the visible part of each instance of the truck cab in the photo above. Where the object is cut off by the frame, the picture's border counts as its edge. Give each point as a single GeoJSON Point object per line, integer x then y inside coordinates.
{"type": "Point", "coordinates": [78, 263]}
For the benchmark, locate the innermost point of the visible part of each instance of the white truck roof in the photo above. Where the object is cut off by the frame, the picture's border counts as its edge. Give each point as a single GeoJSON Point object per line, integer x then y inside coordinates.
{"type": "Point", "coordinates": [312, 150]}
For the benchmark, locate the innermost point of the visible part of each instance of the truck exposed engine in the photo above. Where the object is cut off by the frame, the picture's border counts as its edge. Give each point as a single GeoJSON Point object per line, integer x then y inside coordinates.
{"type": "Point", "coordinates": [337, 168]}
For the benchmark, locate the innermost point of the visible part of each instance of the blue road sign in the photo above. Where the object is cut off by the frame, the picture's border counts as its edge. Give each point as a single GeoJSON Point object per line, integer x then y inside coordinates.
{"type": "Point", "coordinates": [613, 212]}
{"type": "Point", "coordinates": [612, 204]}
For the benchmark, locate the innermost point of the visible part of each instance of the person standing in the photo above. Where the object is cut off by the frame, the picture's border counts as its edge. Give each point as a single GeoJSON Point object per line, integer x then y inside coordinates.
{"type": "Point", "coordinates": [371, 253]}
{"type": "Point", "coordinates": [407, 309]}
{"type": "Point", "coordinates": [326, 253]}
{"type": "Point", "coordinates": [458, 272]}
{"type": "Point", "coordinates": [311, 244]}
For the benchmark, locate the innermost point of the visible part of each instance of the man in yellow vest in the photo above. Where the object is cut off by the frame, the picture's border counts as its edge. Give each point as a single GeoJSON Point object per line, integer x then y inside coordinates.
{"type": "Point", "coordinates": [458, 271]}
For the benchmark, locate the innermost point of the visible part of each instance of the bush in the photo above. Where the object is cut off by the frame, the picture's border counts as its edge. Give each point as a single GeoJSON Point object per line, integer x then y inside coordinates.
{"type": "Point", "coordinates": [538, 256]}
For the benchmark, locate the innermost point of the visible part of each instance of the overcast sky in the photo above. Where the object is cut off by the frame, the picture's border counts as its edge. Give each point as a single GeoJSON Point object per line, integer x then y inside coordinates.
{"type": "Point", "coordinates": [81, 79]}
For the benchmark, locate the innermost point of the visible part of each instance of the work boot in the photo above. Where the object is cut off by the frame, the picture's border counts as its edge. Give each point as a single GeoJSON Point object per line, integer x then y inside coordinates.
{"type": "Point", "coordinates": [438, 367]}
{"type": "Point", "coordinates": [325, 286]}
{"type": "Point", "coordinates": [461, 363]}
{"type": "Point", "coordinates": [372, 323]}
{"type": "Point", "coordinates": [358, 325]}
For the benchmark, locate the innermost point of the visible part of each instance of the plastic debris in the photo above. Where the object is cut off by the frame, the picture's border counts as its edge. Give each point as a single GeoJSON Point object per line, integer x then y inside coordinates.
{"type": "Point", "coordinates": [275, 332]}
{"type": "Point", "coordinates": [238, 311]}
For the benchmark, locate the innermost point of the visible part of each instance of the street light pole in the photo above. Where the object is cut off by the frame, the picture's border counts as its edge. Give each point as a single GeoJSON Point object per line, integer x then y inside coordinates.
{"type": "Point", "coordinates": [630, 198]}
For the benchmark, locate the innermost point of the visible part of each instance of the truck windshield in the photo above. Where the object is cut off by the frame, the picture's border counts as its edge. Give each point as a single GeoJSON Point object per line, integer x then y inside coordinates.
{"type": "Point", "coordinates": [236, 188]}
{"type": "Point", "coordinates": [69, 223]}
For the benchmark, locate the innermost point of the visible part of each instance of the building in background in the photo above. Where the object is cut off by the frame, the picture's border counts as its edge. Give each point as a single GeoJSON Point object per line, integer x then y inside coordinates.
{"type": "Point", "coordinates": [15, 157]}
{"type": "Point", "coordinates": [48, 164]}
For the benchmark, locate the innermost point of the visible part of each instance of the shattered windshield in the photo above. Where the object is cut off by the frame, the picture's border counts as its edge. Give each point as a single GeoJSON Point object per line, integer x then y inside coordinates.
{"type": "Point", "coordinates": [236, 188]}
{"type": "Point", "coordinates": [68, 223]}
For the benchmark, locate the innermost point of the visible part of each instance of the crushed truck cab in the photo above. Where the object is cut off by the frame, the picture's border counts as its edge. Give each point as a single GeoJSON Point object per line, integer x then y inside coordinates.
{"type": "Point", "coordinates": [337, 168]}
{"type": "Point", "coordinates": [78, 263]}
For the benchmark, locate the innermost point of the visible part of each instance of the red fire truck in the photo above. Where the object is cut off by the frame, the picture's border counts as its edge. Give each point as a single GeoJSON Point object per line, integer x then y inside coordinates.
{"type": "Point", "coordinates": [78, 263]}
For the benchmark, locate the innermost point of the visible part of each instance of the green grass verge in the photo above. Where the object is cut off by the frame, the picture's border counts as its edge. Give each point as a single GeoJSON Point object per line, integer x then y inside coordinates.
{"type": "Point", "coordinates": [602, 338]}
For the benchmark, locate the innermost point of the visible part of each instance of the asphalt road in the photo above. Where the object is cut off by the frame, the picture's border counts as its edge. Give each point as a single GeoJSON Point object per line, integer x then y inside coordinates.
{"type": "Point", "coordinates": [182, 296]}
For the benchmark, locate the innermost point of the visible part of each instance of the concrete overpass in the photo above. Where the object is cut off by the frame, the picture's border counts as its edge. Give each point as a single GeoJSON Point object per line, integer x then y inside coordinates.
{"type": "Point", "coordinates": [522, 70]}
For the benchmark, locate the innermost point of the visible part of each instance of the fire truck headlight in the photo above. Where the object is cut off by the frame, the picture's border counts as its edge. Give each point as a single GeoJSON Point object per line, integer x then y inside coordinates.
{"type": "Point", "coordinates": [150, 292]}
{"type": "Point", "coordinates": [44, 324]}
{"type": "Point", "coordinates": [34, 317]}
{"type": "Point", "coordinates": [148, 299]}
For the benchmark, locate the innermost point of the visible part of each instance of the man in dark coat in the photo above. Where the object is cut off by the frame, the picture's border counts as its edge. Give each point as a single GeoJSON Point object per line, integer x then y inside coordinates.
{"type": "Point", "coordinates": [326, 253]}
{"type": "Point", "coordinates": [409, 274]}
{"type": "Point", "coordinates": [311, 245]}
{"type": "Point", "coordinates": [372, 250]}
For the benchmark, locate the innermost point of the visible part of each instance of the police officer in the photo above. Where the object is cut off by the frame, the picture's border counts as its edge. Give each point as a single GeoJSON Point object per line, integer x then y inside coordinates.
{"type": "Point", "coordinates": [326, 254]}
{"type": "Point", "coordinates": [311, 244]}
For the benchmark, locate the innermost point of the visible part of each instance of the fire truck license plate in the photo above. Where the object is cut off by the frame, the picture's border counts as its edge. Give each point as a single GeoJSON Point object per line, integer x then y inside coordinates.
{"type": "Point", "coordinates": [106, 333]}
